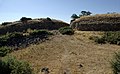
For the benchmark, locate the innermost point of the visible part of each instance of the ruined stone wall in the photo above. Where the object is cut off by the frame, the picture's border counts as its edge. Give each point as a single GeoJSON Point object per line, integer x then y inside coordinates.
{"type": "Point", "coordinates": [96, 26]}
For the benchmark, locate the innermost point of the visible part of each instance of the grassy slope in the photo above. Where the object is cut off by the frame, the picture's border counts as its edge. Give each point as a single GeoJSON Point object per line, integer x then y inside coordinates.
{"type": "Point", "coordinates": [65, 53]}
{"type": "Point", "coordinates": [41, 23]}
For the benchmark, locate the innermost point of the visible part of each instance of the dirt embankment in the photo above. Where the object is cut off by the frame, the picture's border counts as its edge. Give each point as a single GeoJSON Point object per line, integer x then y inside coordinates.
{"type": "Point", "coordinates": [99, 22]}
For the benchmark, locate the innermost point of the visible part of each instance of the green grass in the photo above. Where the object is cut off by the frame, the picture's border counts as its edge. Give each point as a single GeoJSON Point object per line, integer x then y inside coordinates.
{"type": "Point", "coordinates": [66, 31]}
{"type": "Point", "coordinates": [5, 50]}
{"type": "Point", "coordinates": [7, 38]}
{"type": "Point", "coordinates": [40, 32]}
{"type": "Point", "coordinates": [116, 63]}
{"type": "Point", "coordinates": [10, 65]}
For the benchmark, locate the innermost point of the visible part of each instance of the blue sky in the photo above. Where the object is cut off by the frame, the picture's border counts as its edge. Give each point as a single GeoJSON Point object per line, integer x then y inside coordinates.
{"type": "Point", "coordinates": [13, 10]}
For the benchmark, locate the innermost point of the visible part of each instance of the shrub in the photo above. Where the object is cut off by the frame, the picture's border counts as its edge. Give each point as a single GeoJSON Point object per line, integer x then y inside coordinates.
{"type": "Point", "coordinates": [109, 37]}
{"type": "Point", "coordinates": [4, 50]}
{"type": "Point", "coordinates": [3, 40]}
{"type": "Point", "coordinates": [10, 65]}
{"type": "Point", "coordinates": [40, 32]}
{"type": "Point", "coordinates": [66, 30]}
{"type": "Point", "coordinates": [112, 37]}
{"type": "Point", "coordinates": [9, 37]}
{"type": "Point", "coordinates": [15, 35]}
{"type": "Point", "coordinates": [49, 19]}
{"type": "Point", "coordinates": [99, 40]}
{"type": "Point", "coordinates": [116, 63]}
{"type": "Point", "coordinates": [4, 69]}
{"type": "Point", "coordinates": [6, 23]}
{"type": "Point", "coordinates": [23, 19]}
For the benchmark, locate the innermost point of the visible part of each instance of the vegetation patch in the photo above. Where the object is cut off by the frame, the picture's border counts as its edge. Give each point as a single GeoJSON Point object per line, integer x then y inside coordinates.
{"type": "Point", "coordinates": [4, 50]}
{"type": "Point", "coordinates": [23, 19]}
{"type": "Point", "coordinates": [10, 65]}
{"type": "Point", "coordinates": [28, 23]}
{"type": "Point", "coordinates": [66, 30]}
{"type": "Point", "coordinates": [116, 63]}
{"type": "Point", "coordinates": [11, 38]}
{"type": "Point", "coordinates": [6, 23]}
{"type": "Point", "coordinates": [49, 19]}
{"type": "Point", "coordinates": [21, 40]}
{"type": "Point", "coordinates": [40, 32]}
{"type": "Point", "coordinates": [109, 37]}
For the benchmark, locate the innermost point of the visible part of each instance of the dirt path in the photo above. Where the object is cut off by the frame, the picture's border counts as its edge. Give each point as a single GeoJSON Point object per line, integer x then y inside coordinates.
{"type": "Point", "coordinates": [71, 54]}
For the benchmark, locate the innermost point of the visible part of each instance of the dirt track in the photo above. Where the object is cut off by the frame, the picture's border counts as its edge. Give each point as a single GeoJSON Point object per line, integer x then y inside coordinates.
{"type": "Point", "coordinates": [71, 54]}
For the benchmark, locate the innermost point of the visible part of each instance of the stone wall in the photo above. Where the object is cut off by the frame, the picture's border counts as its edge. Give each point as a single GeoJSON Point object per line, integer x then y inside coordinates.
{"type": "Point", "coordinates": [96, 26]}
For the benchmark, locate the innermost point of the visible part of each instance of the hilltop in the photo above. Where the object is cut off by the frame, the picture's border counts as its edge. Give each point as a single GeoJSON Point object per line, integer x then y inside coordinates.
{"type": "Point", "coordinates": [98, 22]}
{"type": "Point", "coordinates": [39, 23]}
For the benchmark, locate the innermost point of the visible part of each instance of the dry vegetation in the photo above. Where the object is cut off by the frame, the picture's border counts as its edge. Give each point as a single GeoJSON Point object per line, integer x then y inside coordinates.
{"type": "Point", "coordinates": [74, 54]}
{"type": "Point", "coordinates": [109, 22]}
{"type": "Point", "coordinates": [64, 54]}
{"type": "Point", "coordinates": [100, 17]}
{"type": "Point", "coordinates": [41, 23]}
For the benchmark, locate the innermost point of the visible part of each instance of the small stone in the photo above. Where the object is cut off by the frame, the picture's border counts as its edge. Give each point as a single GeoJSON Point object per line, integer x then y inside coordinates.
{"type": "Point", "coordinates": [80, 66]}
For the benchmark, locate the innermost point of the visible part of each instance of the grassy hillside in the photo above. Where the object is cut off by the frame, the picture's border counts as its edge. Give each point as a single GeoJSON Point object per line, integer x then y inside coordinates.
{"type": "Point", "coordinates": [62, 54]}
{"type": "Point", "coordinates": [74, 54]}
{"type": "Point", "coordinates": [41, 23]}
{"type": "Point", "coordinates": [104, 22]}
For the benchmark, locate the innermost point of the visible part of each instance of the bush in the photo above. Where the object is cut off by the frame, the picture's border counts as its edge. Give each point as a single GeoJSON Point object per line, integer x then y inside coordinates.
{"type": "Point", "coordinates": [112, 37]}
{"type": "Point", "coordinates": [49, 19]}
{"type": "Point", "coordinates": [6, 23]}
{"type": "Point", "coordinates": [3, 40]}
{"type": "Point", "coordinates": [4, 50]}
{"type": "Point", "coordinates": [116, 63]}
{"type": "Point", "coordinates": [100, 40]}
{"type": "Point", "coordinates": [109, 37]}
{"type": "Point", "coordinates": [23, 19]}
{"type": "Point", "coordinates": [66, 30]}
{"type": "Point", "coordinates": [4, 69]}
{"type": "Point", "coordinates": [10, 65]}
{"type": "Point", "coordinates": [40, 32]}
{"type": "Point", "coordinates": [9, 37]}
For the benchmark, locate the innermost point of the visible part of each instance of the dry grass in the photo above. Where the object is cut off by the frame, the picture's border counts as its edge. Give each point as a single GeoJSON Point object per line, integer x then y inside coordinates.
{"type": "Point", "coordinates": [100, 17]}
{"type": "Point", "coordinates": [99, 22]}
{"type": "Point", "coordinates": [65, 54]}
{"type": "Point", "coordinates": [40, 23]}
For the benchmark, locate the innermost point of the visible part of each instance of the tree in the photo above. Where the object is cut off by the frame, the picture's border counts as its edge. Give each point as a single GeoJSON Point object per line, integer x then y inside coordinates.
{"type": "Point", "coordinates": [85, 13]}
{"type": "Point", "coordinates": [89, 13]}
{"type": "Point", "coordinates": [49, 19]}
{"type": "Point", "coordinates": [74, 16]}
{"type": "Point", "coordinates": [25, 19]}
{"type": "Point", "coordinates": [6, 23]}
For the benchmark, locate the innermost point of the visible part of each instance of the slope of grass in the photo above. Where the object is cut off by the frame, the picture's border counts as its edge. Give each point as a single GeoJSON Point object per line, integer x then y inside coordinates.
{"type": "Point", "coordinates": [41, 23]}
{"type": "Point", "coordinates": [67, 53]}
{"type": "Point", "coordinates": [109, 37]}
